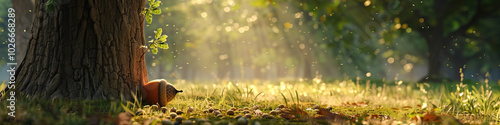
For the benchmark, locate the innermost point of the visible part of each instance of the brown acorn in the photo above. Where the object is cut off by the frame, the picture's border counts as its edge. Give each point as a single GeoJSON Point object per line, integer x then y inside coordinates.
{"type": "Point", "coordinates": [159, 92]}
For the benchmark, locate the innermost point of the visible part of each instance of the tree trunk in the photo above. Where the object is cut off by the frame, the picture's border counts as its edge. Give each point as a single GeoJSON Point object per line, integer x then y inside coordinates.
{"type": "Point", "coordinates": [85, 49]}
{"type": "Point", "coordinates": [23, 22]}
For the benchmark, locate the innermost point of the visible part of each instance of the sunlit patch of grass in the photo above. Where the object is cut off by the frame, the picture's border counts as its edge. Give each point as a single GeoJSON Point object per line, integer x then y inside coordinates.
{"type": "Point", "coordinates": [357, 101]}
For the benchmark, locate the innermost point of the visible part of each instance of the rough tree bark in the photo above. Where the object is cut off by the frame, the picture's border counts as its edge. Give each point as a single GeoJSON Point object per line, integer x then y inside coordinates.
{"type": "Point", "coordinates": [84, 49]}
{"type": "Point", "coordinates": [23, 22]}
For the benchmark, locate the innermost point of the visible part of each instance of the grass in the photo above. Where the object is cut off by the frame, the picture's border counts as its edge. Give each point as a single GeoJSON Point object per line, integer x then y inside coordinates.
{"type": "Point", "coordinates": [353, 101]}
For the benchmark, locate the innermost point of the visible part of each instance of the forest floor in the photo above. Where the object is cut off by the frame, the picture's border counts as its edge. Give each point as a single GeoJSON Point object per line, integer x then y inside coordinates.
{"type": "Point", "coordinates": [288, 102]}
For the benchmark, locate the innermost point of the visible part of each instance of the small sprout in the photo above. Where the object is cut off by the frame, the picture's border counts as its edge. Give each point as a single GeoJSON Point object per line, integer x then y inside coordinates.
{"type": "Point", "coordinates": [230, 112]}
{"type": "Point", "coordinates": [173, 115]}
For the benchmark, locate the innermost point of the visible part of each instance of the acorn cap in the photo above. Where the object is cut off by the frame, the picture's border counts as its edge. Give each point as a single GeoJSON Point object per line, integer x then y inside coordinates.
{"type": "Point", "coordinates": [166, 93]}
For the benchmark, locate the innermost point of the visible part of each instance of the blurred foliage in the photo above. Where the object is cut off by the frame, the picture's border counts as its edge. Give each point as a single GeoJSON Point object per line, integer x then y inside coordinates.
{"type": "Point", "coordinates": [330, 39]}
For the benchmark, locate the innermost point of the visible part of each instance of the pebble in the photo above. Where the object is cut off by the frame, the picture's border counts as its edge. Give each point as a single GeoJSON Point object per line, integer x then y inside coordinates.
{"type": "Point", "coordinates": [238, 116]}
{"type": "Point", "coordinates": [166, 122]}
{"type": "Point", "coordinates": [179, 119]}
{"type": "Point", "coordinates": [242, 121]}
{"type": "Point", "coordinates": [173, 115]}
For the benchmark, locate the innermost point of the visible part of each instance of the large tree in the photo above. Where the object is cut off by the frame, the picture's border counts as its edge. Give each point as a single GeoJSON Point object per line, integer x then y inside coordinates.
{"type": "Point", "coordinates": [23, 24]}
{"type": "Point", "coordinates": [86, 49]}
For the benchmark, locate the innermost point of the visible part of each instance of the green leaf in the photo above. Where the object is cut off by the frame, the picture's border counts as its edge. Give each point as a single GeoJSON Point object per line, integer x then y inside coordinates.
{"type": "Point", "coordinates": [149, 18]}
{"type": "Point", "coordinates": [154, 50]}
{"type": "Point", "coordinates": [50, 5]}
{"type": "Point", "coordinates": [163, 45]}
{"type": "Point", "coordinates": [156, 4]}
{"type": "Point", "coordinates": [151, 2]}
{"type": "Point", "coordinates": [156, 11]}
{"type": "Point", "coordinates": [163, 38]}
{"type": "Point", "coordinates": [158, 33]}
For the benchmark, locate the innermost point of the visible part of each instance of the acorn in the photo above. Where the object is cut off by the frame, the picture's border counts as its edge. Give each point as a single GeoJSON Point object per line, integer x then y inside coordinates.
{"type": "Point", "coordinates": [164, 109]}
{"type": "Point", "coordinates": [179, 112]}
{"type": "Point", "coordinates": [159, 92]}
{"type": "Point", "coordinates": [216, 112]}
{"type": "Point", "coordinates": [173, 115]}
{"type": "Point", "coordinates": [265, 115]}
{"type": "Point", "coordinates": [281, 106]}
{"type": "Point", "coordinates": [230, 112]}
{"type": "Point", "coordinates": [173, 109]}
{"type": "Point", "coordinates": [190, 109]}
{"type": "Point", "coordinates": [273, 112]}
